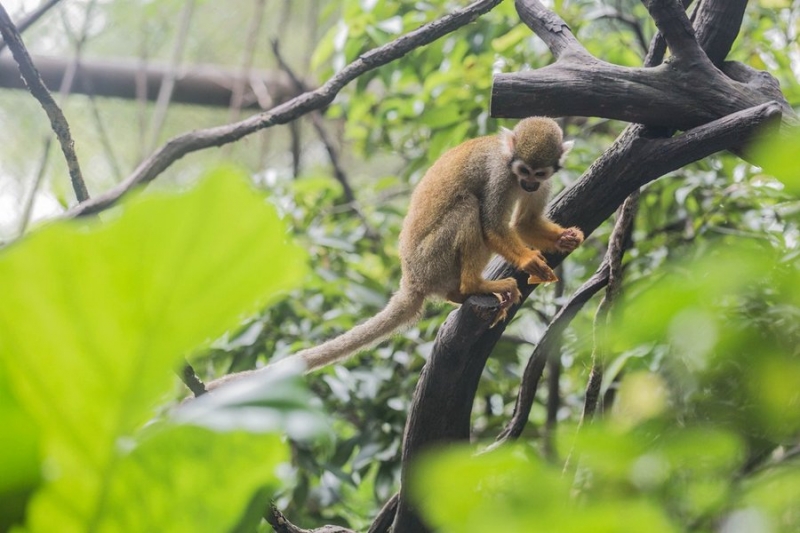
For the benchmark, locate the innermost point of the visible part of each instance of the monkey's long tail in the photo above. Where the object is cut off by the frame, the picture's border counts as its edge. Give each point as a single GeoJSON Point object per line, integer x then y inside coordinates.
{"type": "Point", "coordinates": [403, 308]}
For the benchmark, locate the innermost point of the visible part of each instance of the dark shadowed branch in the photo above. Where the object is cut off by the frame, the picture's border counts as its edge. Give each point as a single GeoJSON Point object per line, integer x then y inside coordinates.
{"type": "Point", "coordinates": [687, 92]}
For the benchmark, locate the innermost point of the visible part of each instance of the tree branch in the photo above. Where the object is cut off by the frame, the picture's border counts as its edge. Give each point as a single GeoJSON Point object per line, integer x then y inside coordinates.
{"type": "Point", "coordinates": [672, 22]}
{"type": "Point", "coordinates": [333, 155]}
{"type": "Point", "coordinates": [280, 524]}
{"type": "Point", "coordinates": [187, 143]}
{"type": "Point", "coordinates": [57, 119]}
{"type": "Point", "coordinates": [682, 95]}
{"type": "Point", "coordinates": [550, 28]}
{"type": "Point", "coordinates": [614, 254]}
{"type": "Point", "coordinates": [545, 351]}
{"type": "Point", "coordinates": [717, 24]}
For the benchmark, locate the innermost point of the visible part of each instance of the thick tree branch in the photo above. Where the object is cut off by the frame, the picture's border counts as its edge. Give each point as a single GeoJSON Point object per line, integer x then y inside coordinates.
{"type": "Point", "coordinates": [717, 24]}
{"type": "Point", "coordinates": [57, 119]}
{"type": "Point", "coordinates": [206, 85]}
{"type": "Point", "coordinates": [282, 114]}
{"type": "Point", "coordinates": [672, 22]}
{"type": "Point", "coordinates": [681, 95]}
{"type": "Point", "coordinates": [550, 28]}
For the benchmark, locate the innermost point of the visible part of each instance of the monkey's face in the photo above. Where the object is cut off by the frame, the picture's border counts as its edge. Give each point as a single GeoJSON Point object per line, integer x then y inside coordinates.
{"type": "Point", "coordinates": [531, 178]}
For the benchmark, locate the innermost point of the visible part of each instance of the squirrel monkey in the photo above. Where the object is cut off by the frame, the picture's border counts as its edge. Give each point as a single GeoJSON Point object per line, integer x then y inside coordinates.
{"type": "Point", "coordinates": [484, 196]}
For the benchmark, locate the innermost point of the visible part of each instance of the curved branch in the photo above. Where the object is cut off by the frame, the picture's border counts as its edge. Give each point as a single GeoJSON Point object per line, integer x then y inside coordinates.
{"type": "Point", "coordinates": [187, 143]}
{"type": "Point", "coordinates": [550, 28]}
{"type": "Point", "coordinates": [57, 119]}
{"type": "Point", "coordinates": [544, 351]}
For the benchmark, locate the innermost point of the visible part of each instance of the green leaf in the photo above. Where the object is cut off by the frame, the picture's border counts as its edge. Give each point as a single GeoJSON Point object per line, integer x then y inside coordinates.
{"type": "Point", "coordinates": [19, 459]}
{"type": "Point", "coordinates": [189, 479]}
{"type": "Point", "coordinates": [97, 315]}
{"type": "Point", "coordinates": [274, 401]}
{"type": "Point", "coordinates": [777, 154]}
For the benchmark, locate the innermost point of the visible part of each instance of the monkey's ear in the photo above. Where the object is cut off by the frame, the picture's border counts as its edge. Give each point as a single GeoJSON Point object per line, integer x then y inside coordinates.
{"type": "Point", "coordinates": [566, 147]}
{"type": "Point", "coordinates": [507, 142]}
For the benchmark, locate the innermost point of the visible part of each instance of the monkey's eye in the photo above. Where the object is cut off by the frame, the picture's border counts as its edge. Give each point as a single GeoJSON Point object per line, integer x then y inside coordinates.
{"type": "Point", "coordinates": [540, 173]}
{"type": "Point", "coordinates": [525, 171]}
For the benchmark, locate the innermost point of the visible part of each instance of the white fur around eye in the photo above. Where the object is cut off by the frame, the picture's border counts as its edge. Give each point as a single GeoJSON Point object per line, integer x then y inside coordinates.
{"type": "Point", "coordinates": [521, 169]}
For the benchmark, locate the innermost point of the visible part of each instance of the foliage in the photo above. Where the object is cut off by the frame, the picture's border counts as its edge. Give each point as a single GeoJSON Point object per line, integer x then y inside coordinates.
{"type": "Point", "coordinates": [97, 315]}
{"type": "Point", "coordinates": [713, 412]}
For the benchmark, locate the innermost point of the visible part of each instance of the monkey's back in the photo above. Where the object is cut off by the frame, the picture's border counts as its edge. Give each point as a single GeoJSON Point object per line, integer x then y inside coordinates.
{"type": "Point", "coordinates": [443, 213]}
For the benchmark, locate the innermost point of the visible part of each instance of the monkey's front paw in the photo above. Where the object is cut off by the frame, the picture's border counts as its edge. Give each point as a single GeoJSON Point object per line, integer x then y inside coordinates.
{"type": "Point", "coordinates": [539, 272]}
{"type": "Point", "coordinates": [570, 239]}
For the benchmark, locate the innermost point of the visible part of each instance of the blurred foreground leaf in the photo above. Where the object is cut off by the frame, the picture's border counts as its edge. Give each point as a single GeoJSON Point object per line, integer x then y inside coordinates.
{"type": "Point", "coordinates": [96, 315]}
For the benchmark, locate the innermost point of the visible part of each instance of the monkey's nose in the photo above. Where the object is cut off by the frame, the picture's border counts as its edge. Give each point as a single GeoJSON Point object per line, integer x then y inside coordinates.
{"type": "Point", "coordinates": [529, 186]}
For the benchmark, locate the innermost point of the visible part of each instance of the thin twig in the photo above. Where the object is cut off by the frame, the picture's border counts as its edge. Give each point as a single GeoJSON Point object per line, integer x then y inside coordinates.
{"type": "Point", "coordinates": [616, 250]}
{"type": "Point", "coordinates": [37, 88]}
{"type": "Point", "coordinates": [105, 140]}
{"type": "Point", "coordinates": [280, 524]}
{"type": "Point", "coordinates": [617, 245]}
{"type": "Point", "coordinates": [322, 133]}
{"type": "Point", "coordinates": [251, 42]}
{"type": "Point", "coordinates": [168, 82]}
{"type": "Point", "coordinates": [546, 349]}
{"type": "Point", "coordinates": [67, 81]}
{"type": "Point", "coordinates": [189, 377]}
{"type": "Point", "coordinates": [288, 111]}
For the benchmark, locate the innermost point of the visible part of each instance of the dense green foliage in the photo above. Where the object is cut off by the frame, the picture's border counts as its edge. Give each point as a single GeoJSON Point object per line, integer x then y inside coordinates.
{"type": "Point", "coordinates": [703, 358]}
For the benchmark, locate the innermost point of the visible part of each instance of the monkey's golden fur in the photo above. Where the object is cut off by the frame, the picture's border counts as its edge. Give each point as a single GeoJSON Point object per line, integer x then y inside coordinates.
{"type": "Point", "coordinates": [484, 196]}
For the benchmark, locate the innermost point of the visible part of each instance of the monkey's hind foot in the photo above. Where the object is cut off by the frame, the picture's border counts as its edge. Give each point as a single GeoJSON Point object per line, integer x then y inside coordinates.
{"type": "Point", "coordinates": [569, 239]}
{"type": "Point", "coordinates": [507, 299]}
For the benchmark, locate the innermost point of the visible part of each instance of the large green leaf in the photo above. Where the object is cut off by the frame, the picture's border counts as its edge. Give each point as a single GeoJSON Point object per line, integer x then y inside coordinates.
{"type": "Point", "coordinates": [187, 478]}
{"type": "Point", "coordinates": [96, 315]}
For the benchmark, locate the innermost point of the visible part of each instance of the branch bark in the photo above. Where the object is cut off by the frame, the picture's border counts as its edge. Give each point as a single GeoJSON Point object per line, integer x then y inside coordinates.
{"type": "Point", "coordinates": [205, 85]}
{"type": "Point", "coordinates": [682, 94]}
{"type": "Point", "coordinates": [57, 119]}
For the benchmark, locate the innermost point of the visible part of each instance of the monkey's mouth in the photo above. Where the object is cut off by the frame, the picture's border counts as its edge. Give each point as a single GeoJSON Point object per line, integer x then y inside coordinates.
{"type": "Point", "coordinates": [529, 186]}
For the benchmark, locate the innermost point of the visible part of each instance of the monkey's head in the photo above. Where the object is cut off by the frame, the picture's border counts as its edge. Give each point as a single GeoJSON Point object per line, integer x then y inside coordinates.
{"type": "Point", "coordinates": [535, 150]}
